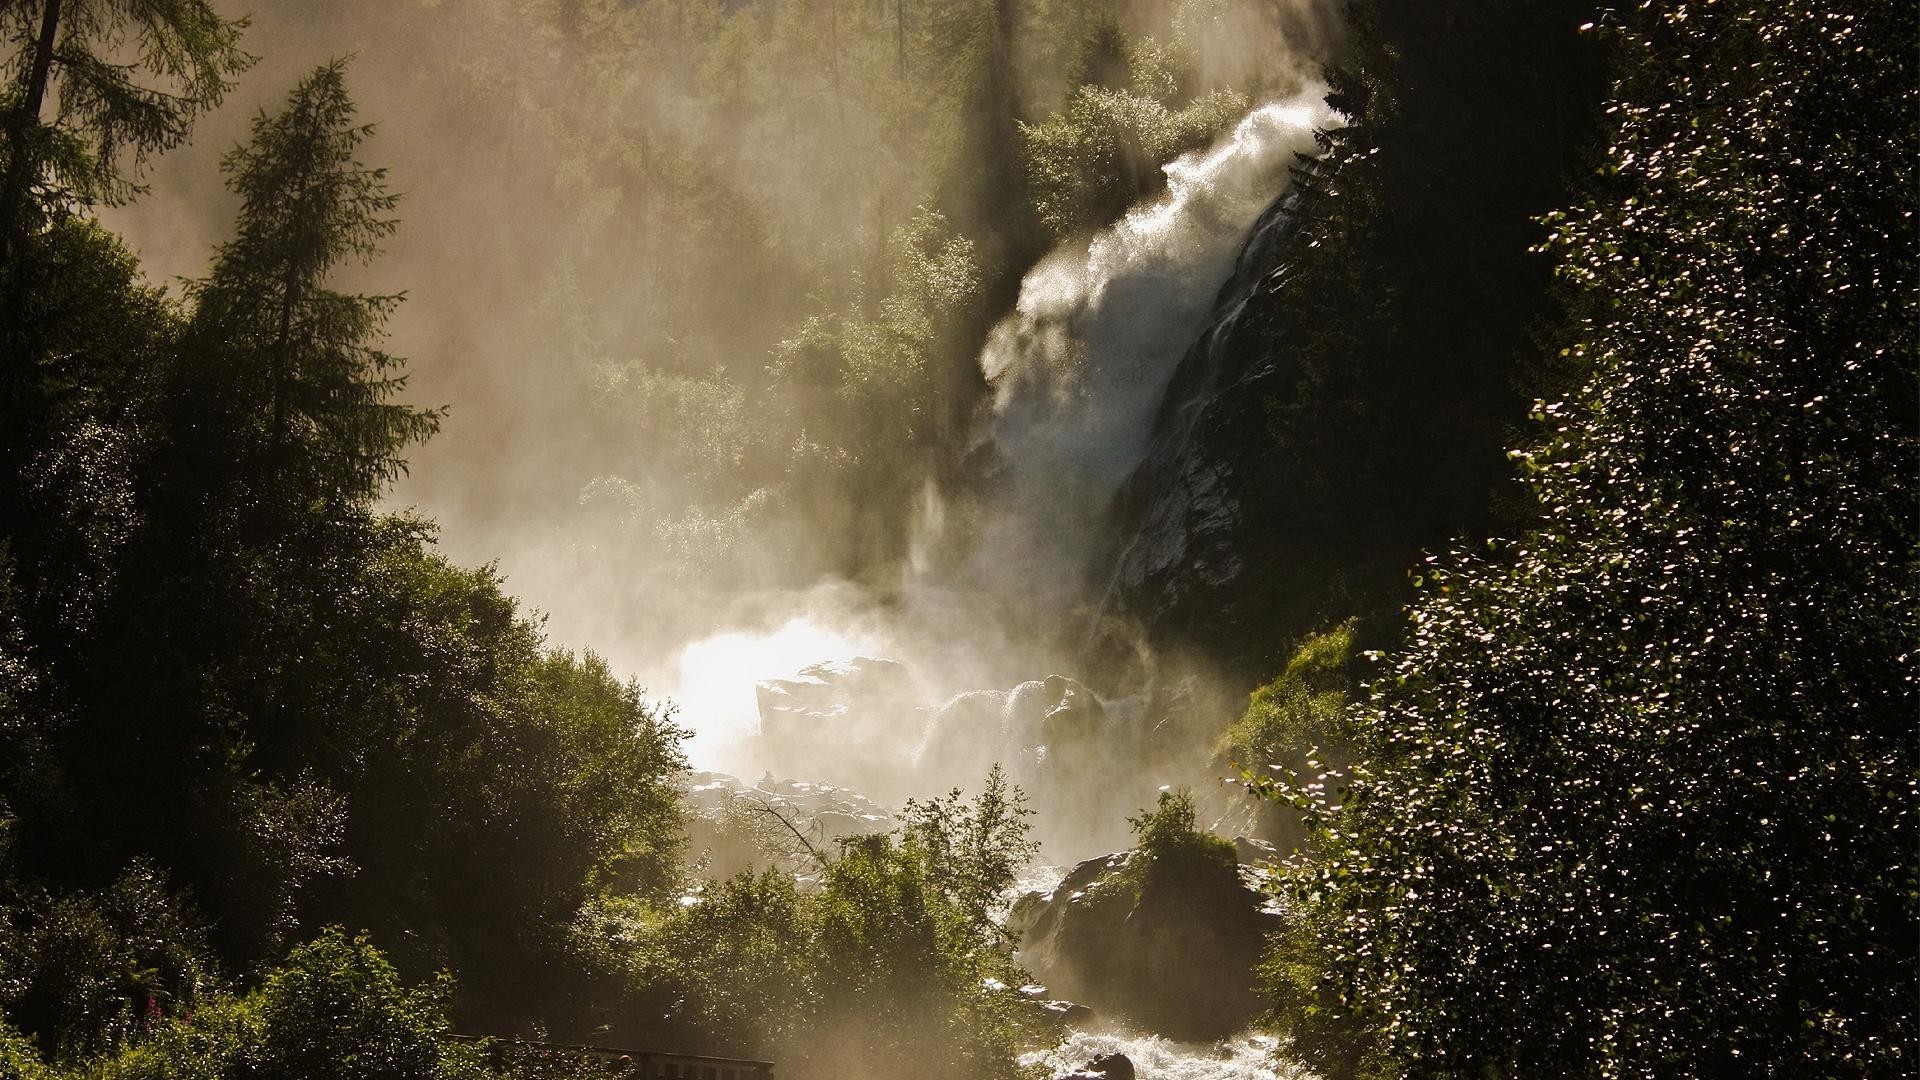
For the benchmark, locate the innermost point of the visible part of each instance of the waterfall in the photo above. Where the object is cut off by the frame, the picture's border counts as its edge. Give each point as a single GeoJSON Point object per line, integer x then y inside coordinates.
{"type": "Point", "coordinates": [1079, 367]}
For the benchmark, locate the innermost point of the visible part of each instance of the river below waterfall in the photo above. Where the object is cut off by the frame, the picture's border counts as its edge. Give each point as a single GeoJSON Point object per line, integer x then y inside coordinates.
{"type": "Point", "coordinates": [1248, 1057]}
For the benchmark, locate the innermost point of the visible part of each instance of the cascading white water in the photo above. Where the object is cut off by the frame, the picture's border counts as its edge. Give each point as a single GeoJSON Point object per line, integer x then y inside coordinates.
{"type": "Point", "coordinates": [1079, 367]}
{"type": "Point", "coordinates": [1077, 370]}
{"type": "Point", "coordinates": [1154, 1058]}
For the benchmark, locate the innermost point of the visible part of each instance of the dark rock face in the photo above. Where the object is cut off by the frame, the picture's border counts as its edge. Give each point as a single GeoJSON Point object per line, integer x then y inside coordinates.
{"type": "Point", "coordinates": [1179, 571]}
{"type": "Point", "coordinates": [1175, 956]}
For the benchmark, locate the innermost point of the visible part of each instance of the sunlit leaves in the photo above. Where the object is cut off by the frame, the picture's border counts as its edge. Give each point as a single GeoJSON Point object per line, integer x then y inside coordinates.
{"type": "Point", "coordinates": [1638, 795]}
{"type": "Point", "coordinates": [1105, 151]}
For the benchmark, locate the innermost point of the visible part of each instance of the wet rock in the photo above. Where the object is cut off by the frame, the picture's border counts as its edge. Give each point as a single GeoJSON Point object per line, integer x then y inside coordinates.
{"type": "Point", "coordinates": [1190, 512]}
{"type": "Point", "coordinates": [1053, 718]}
{"type": "Point", "coordinates": [1252, 851]}
{"type": "Point", "coordinates": [1063, 1013]}
{"type": "Point", "coordinates": [1075, 756]}
{"type": "Point", "coordinates": [1104, 1067]}
{"type": "Point", "coordinates": [1173, 953]}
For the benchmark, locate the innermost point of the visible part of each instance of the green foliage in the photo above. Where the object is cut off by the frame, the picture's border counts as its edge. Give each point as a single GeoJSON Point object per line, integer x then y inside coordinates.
{"type": "Point", "coordinates": [1639, 795]}
{"type": "Point", "coordinates": [217, 661]}
{"type": "Point", "coordinates": [1171, 847]}
{"type": "Point", "coordinates": [18, 1058]}
{"type": "Point", "coordinates": [971, 853]}
{"type": "Point", "coordinates": [1105, 152]}
{"type": "Point", "coordinates": [871, 375]}
{"type": "Point", "coordinates": [528, 778]}
{"type": "Point", "coordinates": [898, 976]}
{"type": "Point", "coordinates": [88, 971]}
{"type": "Point", "coordinates": [126, 81]}
{"type": "Point", "coordinates": [735, 959]}
{"type": "Point", "coordinates": [870, 388]}
{"type": "Point", "coordinates": [1301, 710]}
{"type": "Point", "coordinates": [336, 1008]}
{"type": "Point", "coordinates": [893, 958]}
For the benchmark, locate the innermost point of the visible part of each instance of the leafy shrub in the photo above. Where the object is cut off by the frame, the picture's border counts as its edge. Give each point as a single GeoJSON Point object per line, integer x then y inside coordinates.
{"type": "Point", "coordinates": [91, 970]}
{"type": "Point", "coordinates": [334, 1010]}
{"type": "Point", "coordinates": [971, 853]}
{"type": "Point", "coordinates": [19, 1060]}
{"type": "Point", "coordinates": [1104, 153]}
{"type": "Point", "coordinates": [1172, 848]}
{"type": "Point", "coordinates": [734, 960]}
{"type": "Point", "coordinates": [338, 1009]}
{"type": "Point", "coordinates": [1302, 709]}
{"type": "Point", "coordinates": [894, 959]}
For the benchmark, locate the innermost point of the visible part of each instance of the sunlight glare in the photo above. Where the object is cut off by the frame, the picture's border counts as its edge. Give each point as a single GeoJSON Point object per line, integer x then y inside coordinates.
{"type": "Point", "coordinates": [716, 677]}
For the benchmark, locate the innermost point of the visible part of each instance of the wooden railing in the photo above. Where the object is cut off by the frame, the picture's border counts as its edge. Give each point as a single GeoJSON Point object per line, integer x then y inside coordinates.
{"type": "Point", "coordinates": [622, 1064]}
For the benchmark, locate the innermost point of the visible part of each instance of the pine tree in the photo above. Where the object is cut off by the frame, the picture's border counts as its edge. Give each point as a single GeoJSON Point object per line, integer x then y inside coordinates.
{"type": "Point", "coordinates": [89, 89]}
{"type": "Point", "coordinates": [105, 121]}
{"type": "Point", "coordinates": [297, 361]}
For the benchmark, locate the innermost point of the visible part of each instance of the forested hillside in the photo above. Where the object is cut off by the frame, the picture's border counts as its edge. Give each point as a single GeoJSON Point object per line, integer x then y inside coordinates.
{"type": "Point", "coordinates": [1484, 433]}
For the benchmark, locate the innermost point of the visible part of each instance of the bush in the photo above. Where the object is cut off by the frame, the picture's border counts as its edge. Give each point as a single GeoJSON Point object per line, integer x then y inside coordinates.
{"type": "Point", "coordinates": [1172, 848]}
{"type": "Point", "coordinates": [334, 1010]}
{"type": "Point", "coordinates": [1103, 154]}
{"type": "Point", "coordinates": [1302, 709]}
{"type": "Point", "coordinates": [90, 971]}
{"type": "Point", "coordinates": [1638, 797]}
{"type": "Point", "coordinates": [18, 1058]}
{"type": "Point", "coordinates": [337, 1009]}
{"type": "Point", "coordinates": [894, 959]}
{"type": "Point", "coordinates": [735, 961]}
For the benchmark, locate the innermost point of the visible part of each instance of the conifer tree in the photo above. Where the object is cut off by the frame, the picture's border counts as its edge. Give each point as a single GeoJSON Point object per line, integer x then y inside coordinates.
{"type": "Point", "coordinates": [297, 361]}
{"type": "Point", "coordinates": [89, 89]}
{"type": "Point", "coordinates": [106, 119]}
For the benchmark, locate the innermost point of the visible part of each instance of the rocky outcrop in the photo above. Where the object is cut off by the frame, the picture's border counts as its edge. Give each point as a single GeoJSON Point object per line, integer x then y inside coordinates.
{"type": "Point", "coordinates": [1173, 954]}
{"type": "Point", "coordinates": [1074, 755]}
{"type": "Point", "coordinates": [1104, 1067]}
{"type": "Point", "coordinates": [860, 722]}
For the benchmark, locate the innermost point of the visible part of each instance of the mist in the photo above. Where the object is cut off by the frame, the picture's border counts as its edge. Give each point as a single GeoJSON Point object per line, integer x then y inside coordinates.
{"type": "Point", "coordinates": [613, 220]}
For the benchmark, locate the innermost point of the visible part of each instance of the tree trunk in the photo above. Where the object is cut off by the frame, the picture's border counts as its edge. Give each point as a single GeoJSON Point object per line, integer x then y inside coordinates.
{"type": "Point", "coordinates": [21, 165]}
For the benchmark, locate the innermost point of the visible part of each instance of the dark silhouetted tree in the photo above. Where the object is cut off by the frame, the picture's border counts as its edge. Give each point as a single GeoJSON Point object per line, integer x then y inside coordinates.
{"type": "Point", "coordinates": [298, 362]}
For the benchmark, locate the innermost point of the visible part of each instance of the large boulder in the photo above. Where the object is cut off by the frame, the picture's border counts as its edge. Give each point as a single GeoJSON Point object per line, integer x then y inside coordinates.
{"type": "Point", "coordinates": [1104, 1067]}
{"type": "Point", "coordinates": [1174, 953]}
{"type": "Point", "coordinates": [1055, 720]}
